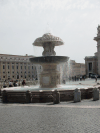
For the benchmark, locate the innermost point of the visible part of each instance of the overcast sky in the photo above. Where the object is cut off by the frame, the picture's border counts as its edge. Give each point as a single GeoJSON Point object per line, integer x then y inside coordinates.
{"type": "Point", "coordinates": [74, 21]}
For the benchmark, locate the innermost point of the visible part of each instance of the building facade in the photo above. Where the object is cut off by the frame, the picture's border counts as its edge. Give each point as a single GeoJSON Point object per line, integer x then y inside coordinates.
{"type": "Point", "coordinates": [72, 69]}
{"type": "Point", "coordinates": [92, 63]}
{"type": "Point", "coordinates": [17, 67]}
{"type": "Point", "coordinates": [77, 69]}
{"type": "Point", "coordinates": [14, 67]}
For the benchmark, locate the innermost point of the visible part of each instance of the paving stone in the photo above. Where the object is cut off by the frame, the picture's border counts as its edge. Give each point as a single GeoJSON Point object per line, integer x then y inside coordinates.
{"type": "Point", "coordinates": [66, 117]}
{"type": "Point", "coordinates": [20, 118]}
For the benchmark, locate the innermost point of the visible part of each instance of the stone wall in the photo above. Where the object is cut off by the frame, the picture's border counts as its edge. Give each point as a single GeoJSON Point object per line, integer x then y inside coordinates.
{"type": "Point", "coordinates": [43, 96]}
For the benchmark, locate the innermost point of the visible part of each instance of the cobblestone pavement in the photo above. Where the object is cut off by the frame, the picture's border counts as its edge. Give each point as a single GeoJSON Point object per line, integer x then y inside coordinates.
{"type": "Point", "coordinates": [66, 117]}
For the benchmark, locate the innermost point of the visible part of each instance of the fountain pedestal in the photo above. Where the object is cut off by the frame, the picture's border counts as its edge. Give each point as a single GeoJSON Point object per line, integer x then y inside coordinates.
{"type": "Point", "coordinates": [49, 77]}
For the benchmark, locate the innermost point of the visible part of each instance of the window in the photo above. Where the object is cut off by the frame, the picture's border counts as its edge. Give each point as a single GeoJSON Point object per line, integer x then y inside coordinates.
{"type": "Point", "coordinates": [17, 67]}
{"type": "Point", "coordinates": [21, 67]}
{"type": "Point", "coordinates": [25, 67]}
{"type": "Point", "coordinates": [32, 67]}
{"type": "Point", "coordinates": [8, 66]}
{"type": "Point", "coordinates": [12, 67]}
{"type": "Point", "coordinates": [28, 67]}
{"type": "Point", "coordinates": [90, 66]}
{"type": "Point", "coordinates": [3, 66]}
{"type": "Point", "coordinates": [3, 76]}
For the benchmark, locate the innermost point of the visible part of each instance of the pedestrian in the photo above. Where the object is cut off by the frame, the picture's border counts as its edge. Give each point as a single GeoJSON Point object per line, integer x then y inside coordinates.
{"type": "Point", "coordinates": [10, 84]}
{"type": "Point", "coordinates": [15, 84]}
{"type": "Point", "coordinates": [4, 85]}
{"type": "Point", "coordinates": [80, 78]}
{"type": "Point", "coordinates": [95, 78]}
{"type": "Point", "coordinates": [75, 78]}
{"type": "Point", "coordinates": [23, 83]}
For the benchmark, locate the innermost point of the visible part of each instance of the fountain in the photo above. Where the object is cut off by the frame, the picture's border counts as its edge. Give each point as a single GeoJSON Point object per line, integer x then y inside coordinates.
{"type": "Point", "coordinates": [49, 77]}
{"type": "Point", "coordinates": [50, 88]}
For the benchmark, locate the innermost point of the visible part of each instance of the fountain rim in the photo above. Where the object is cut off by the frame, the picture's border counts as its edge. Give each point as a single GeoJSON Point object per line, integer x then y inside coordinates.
{"type": "Point", "coordinates": [49, 59]}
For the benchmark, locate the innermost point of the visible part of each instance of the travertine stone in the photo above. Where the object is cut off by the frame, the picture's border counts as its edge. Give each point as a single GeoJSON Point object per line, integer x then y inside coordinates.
{"type": "Point", "coordinates": [95, 94]}
{"type": "Point", "coordinates": [48, 49]}
{"type": "Point", "coordinates": [48, 37]}
{"type": "Point", "coordinates": [4, 97]}
{"type": "Point", "coordinates": [56, 97]}
{"type": "Point", "coordinates": [77, 95]}
{"type": "Point", "coordinates": [50, 77]}
{"type": "Point", "coordinates": [28, 97]}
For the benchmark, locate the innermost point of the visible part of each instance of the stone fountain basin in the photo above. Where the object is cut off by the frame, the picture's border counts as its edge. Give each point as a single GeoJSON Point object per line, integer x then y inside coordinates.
{"type": "Point", "coordinates": [49, 59]}
{"type": "Point", "coordinates": [37, 88]}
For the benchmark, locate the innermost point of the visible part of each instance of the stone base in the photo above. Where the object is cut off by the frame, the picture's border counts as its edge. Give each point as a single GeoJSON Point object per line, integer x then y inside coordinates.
{"type": "Point", "coordinates": [77, 95]}
{"type": "Point", "coordinates": [11, 96]}
{"type": "Point", "coordinates": [50, 77]}
{"type": "Point", "coordinates": [95, 94]}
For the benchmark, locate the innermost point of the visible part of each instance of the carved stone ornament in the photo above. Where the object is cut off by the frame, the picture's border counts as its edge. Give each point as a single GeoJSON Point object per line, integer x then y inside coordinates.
{"type": "Point", "coordinates": [48, 37]}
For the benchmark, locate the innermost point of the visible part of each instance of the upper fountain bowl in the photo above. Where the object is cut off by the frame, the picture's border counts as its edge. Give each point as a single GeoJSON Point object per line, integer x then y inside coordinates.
{"type": "Point", "coordinates": [48, 37]}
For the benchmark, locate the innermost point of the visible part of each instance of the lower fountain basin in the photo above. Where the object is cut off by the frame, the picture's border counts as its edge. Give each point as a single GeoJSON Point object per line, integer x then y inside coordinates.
{"type": "Point", "coordinates": [34, 94]}
{"type": "Point", "coordinates": [49, 59]}
{"type": "Point", "coordinates": [37, 88]}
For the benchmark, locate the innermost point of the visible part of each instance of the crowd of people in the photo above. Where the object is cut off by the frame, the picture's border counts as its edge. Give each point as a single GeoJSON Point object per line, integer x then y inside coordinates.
{"type": "Point", "coordinates": [16, 83]}
{"type": "Point", "coordinates": [12, 83]}
{"type": "Point", "coordinates": [77, 78]}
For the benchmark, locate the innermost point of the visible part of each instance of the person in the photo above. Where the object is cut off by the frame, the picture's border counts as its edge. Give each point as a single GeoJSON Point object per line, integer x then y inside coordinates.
{"type": "Point", "coordinates": [64, 81]}
{"type": "Point", "coordinates": [95, 78]}
{"type": "Point", "coordinates": [36, 78]}
{"type": "Point", "coordinates": [4, 84]}
{"type": "Point", "coordinates": [10, 84]}
{"type": "Point", "coordinates": [15, 84]}
{"type": "Point", "coordinates": [23, 83]}
{"type": "Point", "coordinates": [75, 78]}
{"type": "Point", "coordinates": [80, 78]}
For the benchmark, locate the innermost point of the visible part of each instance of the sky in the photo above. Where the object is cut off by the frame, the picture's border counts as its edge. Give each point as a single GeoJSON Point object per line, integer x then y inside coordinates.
{"type": "Point", "coordinates": [74, 21]}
